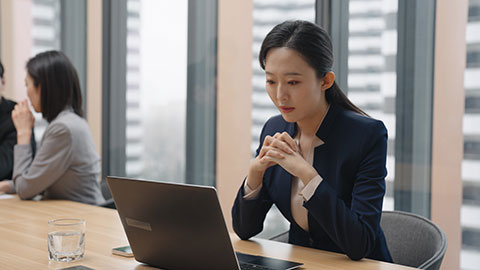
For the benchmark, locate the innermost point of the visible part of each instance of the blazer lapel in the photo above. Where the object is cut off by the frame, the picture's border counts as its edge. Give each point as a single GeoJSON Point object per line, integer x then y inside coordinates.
{"type": "Point", "coordinates": [326, 126]}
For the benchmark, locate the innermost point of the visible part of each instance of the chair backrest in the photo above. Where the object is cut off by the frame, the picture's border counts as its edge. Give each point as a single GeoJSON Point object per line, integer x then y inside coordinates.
{"type": "Point", "coordinates": [413, 240]}
{"type": "Point", "coordinates": [109, 203]}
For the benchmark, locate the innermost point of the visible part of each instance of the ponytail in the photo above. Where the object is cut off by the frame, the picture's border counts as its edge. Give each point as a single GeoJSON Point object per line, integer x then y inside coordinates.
{"type": "Point", "coordinates": [334, 95]}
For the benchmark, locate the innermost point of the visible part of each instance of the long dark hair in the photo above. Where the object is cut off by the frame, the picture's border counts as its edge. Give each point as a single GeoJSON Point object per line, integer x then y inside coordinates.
{"type": "Point", "coordinates": [314, 44]}
{"type": "Point", "coordinates": [60, 87]}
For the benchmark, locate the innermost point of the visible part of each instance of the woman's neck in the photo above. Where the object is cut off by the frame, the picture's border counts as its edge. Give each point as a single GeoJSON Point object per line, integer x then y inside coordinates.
{"type": "Point", "coordinates": [308, 127]}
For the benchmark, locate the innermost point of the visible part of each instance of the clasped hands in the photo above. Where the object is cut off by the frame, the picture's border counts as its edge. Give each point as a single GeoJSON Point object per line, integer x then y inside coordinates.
{"type": "Point", "coordinates": [281, 149]}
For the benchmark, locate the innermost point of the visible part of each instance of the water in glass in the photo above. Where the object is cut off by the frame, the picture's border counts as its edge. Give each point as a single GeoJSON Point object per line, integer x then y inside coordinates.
{"type": "Point", "coordinates": [66, 246]}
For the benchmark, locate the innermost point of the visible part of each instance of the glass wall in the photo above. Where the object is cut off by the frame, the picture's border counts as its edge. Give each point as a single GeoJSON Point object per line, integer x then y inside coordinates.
{"type": "Point", "coordinates": [59, 25]}
{"type": "Point", "coordinates": [46, 29]}
{"type": "Point", "coordinates": [156, 89]}
{"type": "Point", "coordinates": [372, 51]}
{"type": "Point", "coordinates": [267, 14]}
{"type": "Point", "coordinates": [145, 91]}
{"type": "Point", "coordinates": [470, 212]}
{"type": "Point", "coordinates": [46, 25]}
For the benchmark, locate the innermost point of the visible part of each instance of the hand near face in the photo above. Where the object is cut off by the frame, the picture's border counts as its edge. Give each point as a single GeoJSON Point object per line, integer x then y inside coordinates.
{"type": "Point", "coordinates": [23, 120]}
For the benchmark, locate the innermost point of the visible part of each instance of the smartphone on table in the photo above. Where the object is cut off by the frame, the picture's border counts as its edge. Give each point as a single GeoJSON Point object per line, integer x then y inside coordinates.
{"type": "Point", "coordinates": [125, 251]}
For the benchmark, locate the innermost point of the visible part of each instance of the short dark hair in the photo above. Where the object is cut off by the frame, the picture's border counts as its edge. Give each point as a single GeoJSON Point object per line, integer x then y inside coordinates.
{"type": "Point", "coordinates": [58, 79]}
{"type": "Point", "coordinates": [2, 70]}
{"type": "Point", "coordinates": [314, 44]}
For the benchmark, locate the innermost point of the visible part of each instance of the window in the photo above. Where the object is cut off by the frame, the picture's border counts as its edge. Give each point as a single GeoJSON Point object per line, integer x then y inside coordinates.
{"type": "Point", "coordinates": [390, 76]}
{"type": "Point", "coordinates": [267, 14]}
{"type": "Point", "coordinates": [148, 106]}
{"type": "Point", "coordinates": [152, 124]}
{"type": "Point", "coordinates": [45, 25]}
{"type": "Point", "coordinates": [372, 51]}
{"type": "Point", "coordinates": [45, 37]}
{"type": "Point", "coordinates": [470, 212]}
{"type": "Point", "coordinates": [156, 90]}
{"type": "Point", "coordinates": [59, 25]}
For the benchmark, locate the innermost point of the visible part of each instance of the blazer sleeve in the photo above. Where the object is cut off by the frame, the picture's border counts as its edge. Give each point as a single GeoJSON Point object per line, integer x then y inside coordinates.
{"type": "Point", "coordinates": [6, 154]}
{"type": "Point", "coordinates": [354, 229]}
{"type": "Point", "coordinates": [248, 215]}
{"type": "Point", "coordinates": [33, 175]}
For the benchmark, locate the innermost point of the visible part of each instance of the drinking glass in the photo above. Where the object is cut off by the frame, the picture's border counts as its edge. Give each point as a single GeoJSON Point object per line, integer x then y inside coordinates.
{"type": "Point", "coordinates": [66, 239]}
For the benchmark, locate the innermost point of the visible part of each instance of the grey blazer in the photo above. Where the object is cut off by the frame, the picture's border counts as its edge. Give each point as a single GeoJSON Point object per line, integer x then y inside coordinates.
{"type": "Point", "coordinates": [66, 165]}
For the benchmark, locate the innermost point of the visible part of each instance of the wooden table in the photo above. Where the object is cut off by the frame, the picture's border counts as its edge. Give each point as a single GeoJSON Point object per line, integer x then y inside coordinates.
{"type": "Point", "coordinates": [23, 240]}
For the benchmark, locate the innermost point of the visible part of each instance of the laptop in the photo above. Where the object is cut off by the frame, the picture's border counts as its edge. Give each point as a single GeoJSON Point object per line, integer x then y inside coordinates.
{"type": "Point", "coordinates": [179, 226]}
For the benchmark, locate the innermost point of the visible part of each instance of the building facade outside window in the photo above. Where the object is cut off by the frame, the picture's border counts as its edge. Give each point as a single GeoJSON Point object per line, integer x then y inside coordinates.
{"type": "Point", "coordinates": [153, 55]}
{"type": "Point", "coordinates": [470, 212]}
{"type": "Point", "coordinates": [372, 51]}
{"type": "Point", "coordinates": [156, 89]}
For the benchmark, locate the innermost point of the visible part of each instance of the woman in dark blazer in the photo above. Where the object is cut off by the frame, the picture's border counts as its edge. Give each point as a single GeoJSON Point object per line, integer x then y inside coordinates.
{"type": "Point", "coordinates": [322, 161]}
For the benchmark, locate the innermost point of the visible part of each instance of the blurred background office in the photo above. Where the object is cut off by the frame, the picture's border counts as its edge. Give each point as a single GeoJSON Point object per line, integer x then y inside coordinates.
{"type": "Point", "coordinates": [174, 91]}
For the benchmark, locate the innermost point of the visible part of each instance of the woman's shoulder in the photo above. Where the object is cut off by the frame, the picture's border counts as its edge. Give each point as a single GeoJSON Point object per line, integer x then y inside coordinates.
{"type": "Point", "coordinates": [67, 121]}
{"type": "Point", "coordinates": [350, 120]}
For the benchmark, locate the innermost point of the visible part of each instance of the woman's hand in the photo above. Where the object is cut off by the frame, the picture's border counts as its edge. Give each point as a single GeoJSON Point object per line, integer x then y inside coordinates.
{"type": "Point", "coordinates": [296, 165]}
{"type": "Point", "coordinates": [275, 147]}
{"type": "Point", "coordinates": [23, 120]}
{"type": "Point", "coordinates": [4, 186]}
{"type": "Point", "coordinates": [291, 161]}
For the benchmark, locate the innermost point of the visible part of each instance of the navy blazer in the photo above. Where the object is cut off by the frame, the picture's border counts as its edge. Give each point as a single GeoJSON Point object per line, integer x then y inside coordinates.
{"type": "Point", "coordinates": [8, 138]}
{"type": "Point", "coordinates": [344, 212]}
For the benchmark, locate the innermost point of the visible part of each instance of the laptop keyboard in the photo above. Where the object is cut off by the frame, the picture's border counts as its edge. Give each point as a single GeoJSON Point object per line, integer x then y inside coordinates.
{"type": "Point", "coordinates": [247, 262]}
{"type": "Point", "coordinates": [249, 266]}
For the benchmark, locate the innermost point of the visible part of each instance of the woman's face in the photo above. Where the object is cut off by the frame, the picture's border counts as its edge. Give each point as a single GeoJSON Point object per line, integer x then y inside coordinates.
{"type": "Point", "coordinates": [292, 85]}
{"type": "Point", "coordinates": [33, 93]}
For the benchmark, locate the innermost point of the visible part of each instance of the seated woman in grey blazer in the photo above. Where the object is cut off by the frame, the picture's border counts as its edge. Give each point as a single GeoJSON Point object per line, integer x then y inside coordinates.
{"type": "Point", "coordinates": [66, 165]}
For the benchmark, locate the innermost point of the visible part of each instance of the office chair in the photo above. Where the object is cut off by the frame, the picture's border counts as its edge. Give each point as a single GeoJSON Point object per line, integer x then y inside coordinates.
{"type": "Point", "coordinates": [413, 240]}
{"type": "Point", "coordinates": [109, 203]}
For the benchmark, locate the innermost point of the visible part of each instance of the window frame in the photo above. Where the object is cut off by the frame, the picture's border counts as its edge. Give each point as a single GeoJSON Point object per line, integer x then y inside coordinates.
{"type": "Point", "coordinates": [200, 167]}
{"type": "Point", "coordinates": [114, 87]}
{"type": "Point", "coordinates": [73, 39]}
